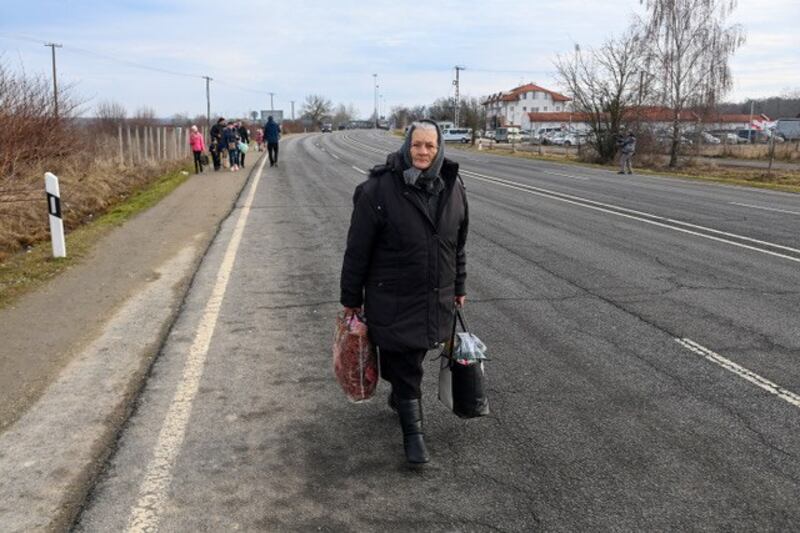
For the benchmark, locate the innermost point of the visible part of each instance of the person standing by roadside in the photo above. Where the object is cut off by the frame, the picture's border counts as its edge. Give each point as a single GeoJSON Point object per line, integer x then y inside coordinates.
{"type": "Point", "coordinates": [198, 146]}
{"type": "Point", "coordinates": [627, 150]}
{"type": "Point", "coordinates": [215, 142]}
{"type": "Point", "coordinates": [244, 136]}
{"type": "Point", "coordinates": [272, 133]}
{"type": "Point", "coordinates": [405, 261]}
{"type": "Point", "coordinates": [259, 139]}
{"type": "Point", "coordinates": [230, 140]}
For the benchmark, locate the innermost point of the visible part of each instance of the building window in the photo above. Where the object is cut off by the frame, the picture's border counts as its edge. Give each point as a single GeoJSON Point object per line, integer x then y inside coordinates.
{"type": "Point", "coordinates": [524, 108]}
{"type": "Point", "coordinates": [535, 109]}
{"type": "Point", "coordinates": [545, 109]}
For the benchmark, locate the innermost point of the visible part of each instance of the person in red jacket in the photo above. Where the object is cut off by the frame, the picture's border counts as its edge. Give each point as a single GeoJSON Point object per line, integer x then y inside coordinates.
{"type": "Point", "coordinates": [198, 146]}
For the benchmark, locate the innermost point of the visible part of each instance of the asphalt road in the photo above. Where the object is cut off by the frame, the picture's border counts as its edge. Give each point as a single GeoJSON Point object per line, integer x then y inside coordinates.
{"type": "Point", "coordinates": [645, 342]}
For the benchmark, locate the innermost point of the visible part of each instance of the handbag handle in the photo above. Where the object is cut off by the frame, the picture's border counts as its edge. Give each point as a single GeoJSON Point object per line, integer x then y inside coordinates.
{"type": "Point", "coordinates": [458, 317]}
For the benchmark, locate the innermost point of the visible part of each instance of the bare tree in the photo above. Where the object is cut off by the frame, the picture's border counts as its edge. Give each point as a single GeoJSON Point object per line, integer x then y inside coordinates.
{"type": "Point", "coordinates": [30, 131]}
{"type": "Point", "coordinates": [110, 115]}
{"type": "Point", "coordinates": [315, 108]}
{"type": "Point", "coordinates": [144, 116]}
{"type": "Point", "coordinates": [688, 47]}
{"type": "Point", "coordinates": [605, 85]}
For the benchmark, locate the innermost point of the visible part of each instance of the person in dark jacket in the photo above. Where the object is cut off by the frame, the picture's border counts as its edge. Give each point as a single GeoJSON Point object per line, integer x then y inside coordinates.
{"type": "Point", "coordinates": [405, 262]}
{"type": "Point", "coordinates": [244, 136]}
{"type": "Point", "coordinates": [627, 147]}
{"type": "Point", "coordinates": [272, 134]}
{"type": "Point", "coordinates": [230, 140]}
{"type": "Point", "coordinates": [215, 142]}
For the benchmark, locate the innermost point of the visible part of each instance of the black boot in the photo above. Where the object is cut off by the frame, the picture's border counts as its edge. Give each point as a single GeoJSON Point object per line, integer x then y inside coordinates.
{"type": "Point", "coordinates": [410, 412]}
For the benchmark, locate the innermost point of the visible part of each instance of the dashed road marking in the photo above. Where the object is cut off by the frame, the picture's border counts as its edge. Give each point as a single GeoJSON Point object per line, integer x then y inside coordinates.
{"type": "Point", "coordinates": [358, 169]}
{"type": "Point", "coordinates": [153, 490]}
{"type": "Point", "coordinates": [741, 371]}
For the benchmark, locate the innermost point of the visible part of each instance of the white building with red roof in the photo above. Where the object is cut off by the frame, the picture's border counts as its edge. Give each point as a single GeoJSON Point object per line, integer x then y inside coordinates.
{"type": "Point", "coordinates": [511, 108]}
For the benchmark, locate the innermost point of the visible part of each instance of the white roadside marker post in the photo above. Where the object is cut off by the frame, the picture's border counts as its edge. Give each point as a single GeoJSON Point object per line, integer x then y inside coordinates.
{"type": "Point", "coordinates": [54, 208]}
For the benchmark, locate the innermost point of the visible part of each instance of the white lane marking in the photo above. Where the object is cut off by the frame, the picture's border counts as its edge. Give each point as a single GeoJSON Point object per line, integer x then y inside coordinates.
{"type": "Point", "coordinates": [158, 476]}
{"type": "Point", "coordinates": [358, 169]}
{"type": "Point", "coordinates": [564, 175]}
{"type": "Point", "coordinates": [741, 371]}
{"type": "Point", "coordinates": [333, 155]}
{"type": "Point", "coordinates": [639, 215]}
{"type": "Point", "coordinates": [766, 208]}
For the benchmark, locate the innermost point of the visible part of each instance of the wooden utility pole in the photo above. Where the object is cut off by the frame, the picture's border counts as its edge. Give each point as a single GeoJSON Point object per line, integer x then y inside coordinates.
{"type": "Point", "coordinates": [53, 47]}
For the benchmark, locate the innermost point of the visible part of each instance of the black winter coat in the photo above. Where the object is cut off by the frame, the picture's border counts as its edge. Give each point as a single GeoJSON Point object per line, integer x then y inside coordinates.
{"type": "Point", "coordinates": [403, 266]}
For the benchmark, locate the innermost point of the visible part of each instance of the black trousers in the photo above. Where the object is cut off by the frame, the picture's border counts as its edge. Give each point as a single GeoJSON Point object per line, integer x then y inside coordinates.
{"type": "Point", "coordinates": [215, 158]}
{"type": "Point", "coordinates": [404, 371]}
{"type": "Point", "coordinates": [272, 149]}
{"type": "Point", "coordinates": [198, 165]}
{"type": "Point", "coordinates": [241, 159]}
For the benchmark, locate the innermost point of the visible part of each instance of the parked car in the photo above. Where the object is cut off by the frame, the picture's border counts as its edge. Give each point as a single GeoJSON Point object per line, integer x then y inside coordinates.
{"type": "Point", "coordinates": [707, 138]}
{"type": "Point", "coordinates": [542, 135]}
{"type": "Point", "coordinates": [525, 136]}
{"type": "Point", "coordinates": [462, 135]}
{"type": "Point", "coordinates": [327, 127]}
{"type": "Point", "coordinates": [726, 137]}
{"type": "Point", "coordinates": [752, 136]}
{"type": "Point", "coordinates": [507, 135]}
{"type": "Point", "coordinates": [490, 134]}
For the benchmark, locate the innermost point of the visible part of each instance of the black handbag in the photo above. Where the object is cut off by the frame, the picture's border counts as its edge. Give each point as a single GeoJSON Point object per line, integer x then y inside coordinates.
{"type": "Point", "coordinates": [462, 387]}
{"type": "Point", "coordinates": [204, 160]}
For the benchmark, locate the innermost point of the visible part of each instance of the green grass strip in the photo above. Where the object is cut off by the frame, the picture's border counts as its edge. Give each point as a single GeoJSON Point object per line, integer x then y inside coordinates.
{"type": "Point", "coordinates": [28, 270]}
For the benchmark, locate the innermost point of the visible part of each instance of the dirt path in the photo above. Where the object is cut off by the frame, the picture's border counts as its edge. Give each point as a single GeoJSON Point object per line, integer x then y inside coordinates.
{"type": "Point", "coordinates": [43, 331]}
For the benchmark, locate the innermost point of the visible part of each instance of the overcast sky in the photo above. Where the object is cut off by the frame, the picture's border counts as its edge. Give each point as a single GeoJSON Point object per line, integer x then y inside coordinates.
{"type": "Point", "coordinates": [295, 48]}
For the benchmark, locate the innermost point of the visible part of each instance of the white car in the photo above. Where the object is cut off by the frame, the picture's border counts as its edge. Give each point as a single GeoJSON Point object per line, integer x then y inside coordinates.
{"type": "Point", "coordinates": [461, 135]}
{"type": "Point", "coordinates": [707, 138]}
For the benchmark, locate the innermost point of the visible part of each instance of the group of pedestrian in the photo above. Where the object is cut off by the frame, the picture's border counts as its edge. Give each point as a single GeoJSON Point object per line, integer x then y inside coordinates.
{"type": "Point", "coordinates": [231, 140]}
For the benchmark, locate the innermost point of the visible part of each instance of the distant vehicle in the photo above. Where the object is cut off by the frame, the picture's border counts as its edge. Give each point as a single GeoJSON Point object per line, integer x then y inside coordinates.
{"type": "Point", "coordinates": [707, 138]}
{"type": "Point", "coordinates": [490, 134]}
{"type": "Point", "coordinates": [445, 125]}
{"type": "Point", "coordinates": [342, 127]}
{"type": "Point", "coordinates": [542, 135]}
{"type": "Point", "coordinates": [327, 127]}
{"type": "Point", "coordinates": [525, 136]}
{"type": "Point", "coordinates": [726, 137]}
{"type": "Point", "coordinates": [788, 128]}
{"type": "Point", "coordinates": [462, 135]}
{"type": "Point", "coordinates": [566, 138]}
{"type": "Point", "coordinates": [751, 135]}
{"type": "Point", "coordinates": [507, 135]}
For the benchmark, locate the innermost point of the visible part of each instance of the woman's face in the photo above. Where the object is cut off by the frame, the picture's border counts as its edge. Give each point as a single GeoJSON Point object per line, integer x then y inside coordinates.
{"type": "Point", "coordinates": [423, 148]}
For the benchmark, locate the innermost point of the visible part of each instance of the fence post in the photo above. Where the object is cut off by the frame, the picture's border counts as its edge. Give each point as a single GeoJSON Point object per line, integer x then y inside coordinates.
{"type": "Point", "coordinates": [138, 146]}
{"type": "Point", "coordinates": [164, 137]}
{"type": "Point", "coordinates": [54, 209]}
{"type": "Point", "coordinates": [130, 145]}
{"type": "Point", "coordinates": [121, 151]}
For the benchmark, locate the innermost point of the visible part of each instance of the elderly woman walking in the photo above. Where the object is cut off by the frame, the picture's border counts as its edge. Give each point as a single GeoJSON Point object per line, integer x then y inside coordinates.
{"type": "Point", "coordinates": [405, 263]}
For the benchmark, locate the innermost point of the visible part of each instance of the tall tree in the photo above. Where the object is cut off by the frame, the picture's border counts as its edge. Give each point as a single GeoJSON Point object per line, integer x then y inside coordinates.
{"type": "Point", "coordinates": [688, 46]}
{"type": "Point", "coordinates": [315, 108]}
{"type": "Point", "coordinates": [605, 84]}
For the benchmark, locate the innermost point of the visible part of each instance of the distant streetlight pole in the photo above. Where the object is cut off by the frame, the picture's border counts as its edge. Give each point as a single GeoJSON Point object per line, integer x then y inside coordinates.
{"type": "Point", "coordinates": [750, 125]}
{"type": "Point", "coordinates": [375, 76]}
{"type": "Point", "coordinates": [456, 82]}
{"type": "Point", "coordinates": [271, 103]}
{"type": "Point", "coordinates": [208, 104]}
{"type": "Point", "coordinates": [53, 47]}
{"type": "Point", "coordinates": [292, 109]}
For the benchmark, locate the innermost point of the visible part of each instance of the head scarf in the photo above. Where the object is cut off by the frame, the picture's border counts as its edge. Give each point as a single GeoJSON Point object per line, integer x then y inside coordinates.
{"type": "Point", "coordinates": [429, 178]}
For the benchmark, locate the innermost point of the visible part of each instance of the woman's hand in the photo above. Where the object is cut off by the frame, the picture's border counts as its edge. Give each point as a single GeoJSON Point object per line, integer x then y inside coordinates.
{"type": "Point", "coordinates": [460, 301]}
{"type": "Point", "coordinates": [350, 311]}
